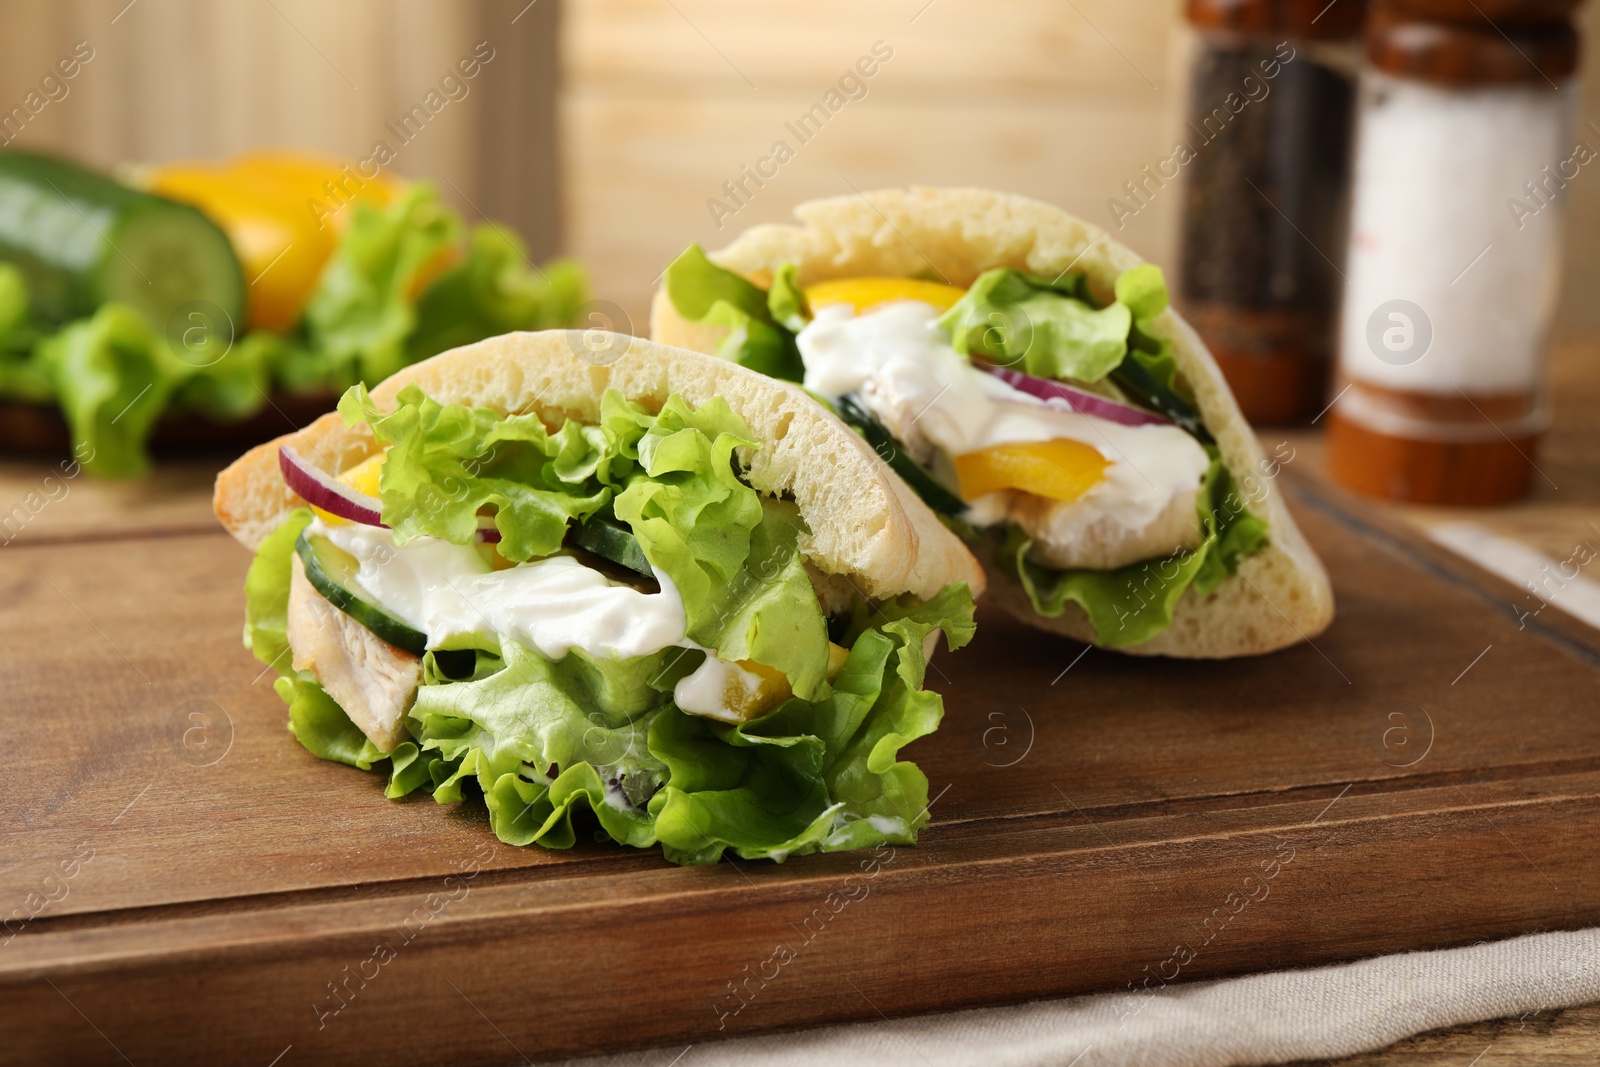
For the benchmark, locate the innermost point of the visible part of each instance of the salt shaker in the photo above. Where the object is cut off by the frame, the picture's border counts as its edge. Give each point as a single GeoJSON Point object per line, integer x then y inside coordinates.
{"type": "Point", "coordinates": [1266, 164]}
{"type": "Point", "coordinates": [1464, 149]}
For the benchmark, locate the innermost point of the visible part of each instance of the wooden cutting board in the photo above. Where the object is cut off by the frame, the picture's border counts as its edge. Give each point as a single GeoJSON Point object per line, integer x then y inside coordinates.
{"type": "Point", "coordinates": [184, 884]}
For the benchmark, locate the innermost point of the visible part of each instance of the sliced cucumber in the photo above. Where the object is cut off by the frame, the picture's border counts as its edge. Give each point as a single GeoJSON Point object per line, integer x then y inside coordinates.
{"type": "Point", "coordinates": [1135, 379]}
{"type": "Point", "coordinates": [83, 239]}
{"type": "Point", "coordinates": [332, 572]}
{"type": "Point", "coordinates": [932, 493]}
{"type": "Point", "coordinates": [611, 539]}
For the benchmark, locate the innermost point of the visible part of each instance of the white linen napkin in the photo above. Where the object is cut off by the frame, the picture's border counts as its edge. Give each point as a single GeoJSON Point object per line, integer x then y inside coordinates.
{"type": "Point", "coordinates": [1262, 1018]}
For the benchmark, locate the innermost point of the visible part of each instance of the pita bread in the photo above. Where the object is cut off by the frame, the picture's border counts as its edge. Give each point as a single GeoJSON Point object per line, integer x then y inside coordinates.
{"type": "Point", "coordinates": [865, 526]}
{"type": "Point", "coordinates": [1280, 594]}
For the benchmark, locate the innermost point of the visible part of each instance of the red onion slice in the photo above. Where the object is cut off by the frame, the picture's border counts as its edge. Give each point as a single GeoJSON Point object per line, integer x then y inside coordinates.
{"type": "Point", "coordinates": [323, 490]}
{"type": "Point", "coordinates": [1081, 401]}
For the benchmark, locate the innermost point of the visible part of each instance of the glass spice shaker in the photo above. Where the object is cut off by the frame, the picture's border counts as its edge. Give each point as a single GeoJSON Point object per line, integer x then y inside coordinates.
{"type": "Point", "coordinates": [1464, 148]}
{"type": "Point", "coordinates": [1266, 179]}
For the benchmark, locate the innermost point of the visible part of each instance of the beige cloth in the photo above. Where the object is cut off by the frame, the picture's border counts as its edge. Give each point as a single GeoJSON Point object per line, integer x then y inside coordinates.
{"type": "Point", "coordinates": [1262, 1018]}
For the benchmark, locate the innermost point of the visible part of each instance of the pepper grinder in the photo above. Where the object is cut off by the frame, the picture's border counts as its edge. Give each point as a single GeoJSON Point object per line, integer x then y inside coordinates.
{"type": "Point", "coordinates": [1266, 162]}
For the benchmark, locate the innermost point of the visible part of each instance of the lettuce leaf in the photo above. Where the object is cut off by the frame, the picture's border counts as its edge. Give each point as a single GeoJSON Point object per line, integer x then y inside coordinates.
{"type": "Point", "coordinates": [448, 460]}
{"type": "Point", "coordinates": [321, 725]}
{"type": "Point", "coordinates": [21, 377]}
{"type": "Point", "coordinates": [1026, 320]}
{"type": "Point", "coordinates": [362, 313]}
{"type": "Point", "coordinates": [695, 285]}
{"type": "Point", "coordinates": [266, 593]}
{"type": "Point", "coordinates": [546, 740]}
{"type": "Point", "coordinates": [553, 718]}
{"type": "Point", "coordinates": [768, 611]}
{"type": "Point", "coordinates": [114, 378]}
{"type": "Point", "coordinates": [705, 293]}
{"type": "Point", "coordinates": [691, 513]}
{"type": "Point", "coordinates": [315, 720]}
{"type": "Point", "coordinates": [543, 740]}
{"type": "Point", "coordinates": [374, 310]}
{"type": "Point", "coordinates": [1143, 291]}
{"type": "Point", "coordinates": [1132, 604]}
{"type": "Point", "coordinates": [495, 290]}
{"type": "Point", "coordinates": [734, 559]}
{"type": "Point", "coordinates": [786, 302]}
{"type": "Point", "coordinates": [809, 777]}
{"type": "Point", "coordinates": [232, 387]}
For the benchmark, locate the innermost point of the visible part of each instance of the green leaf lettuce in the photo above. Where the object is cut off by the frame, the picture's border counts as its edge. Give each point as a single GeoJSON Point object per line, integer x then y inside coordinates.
{"type": "Point", "coordinates": [705, 293]}
{"type": "Point", "coordinates": [554, 745]}
{"type": "Point", "coordinates": [1132, 604]}
{"type": "Point", "coordinates": [377, 307]}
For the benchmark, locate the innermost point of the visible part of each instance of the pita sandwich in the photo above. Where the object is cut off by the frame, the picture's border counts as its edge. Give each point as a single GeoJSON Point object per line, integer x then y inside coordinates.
{"type": "Point", "coordinates": [1023, 373]}
{"type": "Point", "coordinates": [594, 578]}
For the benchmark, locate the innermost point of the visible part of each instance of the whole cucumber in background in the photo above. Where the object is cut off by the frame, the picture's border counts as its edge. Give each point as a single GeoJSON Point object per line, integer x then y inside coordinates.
{"type": "Point", "coordinates": [83, 240]}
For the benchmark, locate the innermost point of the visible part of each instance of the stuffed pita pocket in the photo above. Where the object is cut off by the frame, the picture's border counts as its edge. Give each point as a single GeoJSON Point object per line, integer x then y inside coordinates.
{"type": "Point", "coordinates": [636, 581]}
{"type": "Point", "coordinates": [1023, 372]}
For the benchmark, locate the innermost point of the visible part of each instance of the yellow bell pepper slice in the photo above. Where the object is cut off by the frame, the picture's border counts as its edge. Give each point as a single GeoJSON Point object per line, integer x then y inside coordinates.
{"type": "Point", "coordinates": [771, 688]}
{"type": "Point", "coordinates": [267, 204]}
{"type": "Point", "coordinates": [1062, 469]}
{"type": "Point", "coordinates": [325, 187]}
{"type": "Point", "coordinates": [363, 478]}
{"type": "Point", "coordinates": [864, 294]}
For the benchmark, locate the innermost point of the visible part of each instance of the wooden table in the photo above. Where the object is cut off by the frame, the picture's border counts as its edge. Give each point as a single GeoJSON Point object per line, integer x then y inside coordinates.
{"type": "Point", "coordinates": [1149, 790]}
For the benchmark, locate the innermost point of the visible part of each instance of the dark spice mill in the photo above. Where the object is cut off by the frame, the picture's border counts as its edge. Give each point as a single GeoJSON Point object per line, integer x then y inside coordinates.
{"type": "Point", "coordinates": [1266, 156]}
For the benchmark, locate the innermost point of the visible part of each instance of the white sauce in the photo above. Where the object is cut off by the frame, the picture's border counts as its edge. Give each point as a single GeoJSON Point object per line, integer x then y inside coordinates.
{"type": "Point", "coordinates": [888, 825]}
{"type": "Point", "coordinates": [705, 691]}
{"type": "Point", "coordinates": [554, 605]}
{"type": "Point", "coordinates": [898, 360]}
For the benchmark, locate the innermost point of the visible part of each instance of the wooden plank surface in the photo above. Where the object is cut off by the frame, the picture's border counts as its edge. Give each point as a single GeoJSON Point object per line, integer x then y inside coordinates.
{"type": "Point", "coordinates": [1430, 772]}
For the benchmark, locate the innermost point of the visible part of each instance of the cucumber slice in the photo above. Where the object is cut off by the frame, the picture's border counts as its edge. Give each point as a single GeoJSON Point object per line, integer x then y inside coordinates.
{"type": "Point", "coordinates": [83, 239]}
{"type": "Point", "coordinates": [332, 572]}
{"type": "Point", "coordinates": [922, 483]}
{"type": "Point", "coordinates": [1137, 381]}
{"type": "Point", "coordinates": [613, 540]}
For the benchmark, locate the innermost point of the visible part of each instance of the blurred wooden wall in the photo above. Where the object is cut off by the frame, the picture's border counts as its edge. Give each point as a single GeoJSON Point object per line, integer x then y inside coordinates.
{"type": "Point", "coordinates": [173, 79]}
{"type": "Point", "coordinates": [664, 101]}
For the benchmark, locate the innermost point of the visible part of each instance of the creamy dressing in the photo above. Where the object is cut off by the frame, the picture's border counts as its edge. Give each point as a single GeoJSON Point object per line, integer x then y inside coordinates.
{"type": "Point", "coordinates": [888, 825]}
{"type": "Point", "coordinates": [707, 689]}
{"type": "Point", "coordinates": [898, 360]}
{"type": "Point", "coordinates": [554, 605]}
